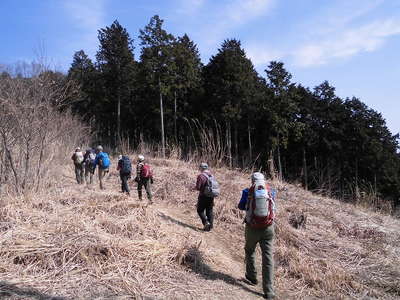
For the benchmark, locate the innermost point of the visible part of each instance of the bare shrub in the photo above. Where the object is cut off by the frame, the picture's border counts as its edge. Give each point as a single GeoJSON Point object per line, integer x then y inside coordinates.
{"type": "Point", "coordinates": [35, 130]}
{"type": "Point", "coordinates": [358, 232]}
{"type": "Point", "coordinates": [298, 219]}
{"type": "Point", "coordinates": [209, 143]}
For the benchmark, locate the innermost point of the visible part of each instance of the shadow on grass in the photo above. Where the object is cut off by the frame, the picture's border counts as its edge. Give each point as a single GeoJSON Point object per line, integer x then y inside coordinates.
{"type": "Point", "coordinates": [8, 290]}
{"type": "Point", "coordinates": [194, 260]}
{"type": "Point", "coordinates": [175, 221]}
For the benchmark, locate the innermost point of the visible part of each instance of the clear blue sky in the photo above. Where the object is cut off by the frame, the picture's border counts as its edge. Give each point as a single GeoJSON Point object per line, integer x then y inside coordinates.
{"type": "Point", "coordinates": [354, 44]}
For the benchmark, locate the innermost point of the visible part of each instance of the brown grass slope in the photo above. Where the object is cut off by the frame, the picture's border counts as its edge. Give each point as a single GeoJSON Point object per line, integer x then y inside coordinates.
{"type": "Point", "coordinates": [76, 242]}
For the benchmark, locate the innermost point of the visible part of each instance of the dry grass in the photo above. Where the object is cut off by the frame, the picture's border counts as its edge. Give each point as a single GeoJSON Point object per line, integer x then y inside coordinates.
{"type": "Point", "coordinates": [82, 243]}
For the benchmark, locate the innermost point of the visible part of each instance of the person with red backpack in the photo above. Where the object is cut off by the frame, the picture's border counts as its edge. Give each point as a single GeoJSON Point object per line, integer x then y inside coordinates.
{"type": "Point", "coordinates": [144, 177]}
{"type": "Point", "coordinates": [259, 203]}
{"type": "Point", "coordinates": [208, 189]}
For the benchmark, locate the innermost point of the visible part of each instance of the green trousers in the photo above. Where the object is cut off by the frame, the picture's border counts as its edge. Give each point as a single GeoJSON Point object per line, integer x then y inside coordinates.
{"type": "Point", "coordinates": [265, 237]}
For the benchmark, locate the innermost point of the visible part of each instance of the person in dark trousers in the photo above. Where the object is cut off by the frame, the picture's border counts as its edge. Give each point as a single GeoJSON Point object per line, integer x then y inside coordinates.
{"type": "Point", "coordinates": [204, 204]}
{"type": "Point", "coordinates": [143, 180]}
{"type": "Point", "coordinates": [89, 159]}
{"type": "Point", "coordinates": [78, 160]}
{"type": "Point", "coordinates": [256, 234]}
{"type": "Point", "coordinates": [124, 167]}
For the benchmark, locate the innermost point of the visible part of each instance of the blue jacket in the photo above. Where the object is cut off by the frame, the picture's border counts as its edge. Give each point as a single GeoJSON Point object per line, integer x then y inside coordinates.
{"type": "Point", "coordinates": [243, 200]}
{"type": "Point", "coordinates": [104, 158]}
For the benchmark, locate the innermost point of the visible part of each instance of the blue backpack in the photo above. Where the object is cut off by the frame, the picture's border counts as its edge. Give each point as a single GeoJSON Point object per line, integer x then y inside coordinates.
{"type": "Point", "coordinates": [126, 167]}
{"type": "Point", "coordinates": [104, 161]}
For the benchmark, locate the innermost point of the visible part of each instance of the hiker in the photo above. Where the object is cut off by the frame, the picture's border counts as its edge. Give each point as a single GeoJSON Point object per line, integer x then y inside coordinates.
{"type": "Point", "coordinates": [89, 159]}
{"type": "Point", "coordinates": [77, 158]}
{"type": "Point", "coordinates": [125, 168]}
{"type": "Point", "coordinates": [144, 177]}
{"type": "Point", "coordinates": [208, 189]}
{"type": "Point", "coordinates": [259, 204]}
{"type": "Point", "coordinates": [103, 161]}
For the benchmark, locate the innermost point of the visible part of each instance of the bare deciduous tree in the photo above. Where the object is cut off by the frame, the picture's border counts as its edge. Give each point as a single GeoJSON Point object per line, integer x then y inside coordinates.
{"type": "Point", "coordinates": [36, 132]}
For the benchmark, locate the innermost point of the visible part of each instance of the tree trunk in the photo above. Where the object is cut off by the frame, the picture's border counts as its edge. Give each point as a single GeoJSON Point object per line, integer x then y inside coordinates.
{"type": "Point", "coordinates": [162, 121]}
{"type": "Point", "coordinates": [27, 164]}
{"type": "Point", "coordinates": [11, 161]}
{"type": "Point", "coordinates": [279, 160]}
{"type": "Point", "coordinates": [250, 146]}
{"type": "Point", "coordinates": [175, 117]}
{"type": "Point", "coordinates": [329, 178]}
{"type": "Point", "coordinates": [119, 121]}
{"type": "Point", "coordinates": [305, 179]}
{"type": "Point", "coordinates": [236, 160]}
{"type": "Point", "coordinates": [39, 166]}
{"type": "Point", "coordinates": [271, 165]}
{"type": "Point", "coordinates": [356, 183]}
{"type": "Point", "coordinates": [229, 142]}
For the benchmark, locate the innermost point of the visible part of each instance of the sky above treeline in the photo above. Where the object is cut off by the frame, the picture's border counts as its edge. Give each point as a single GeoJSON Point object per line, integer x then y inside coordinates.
{"type": "Point", "coordinates": [354, 44]}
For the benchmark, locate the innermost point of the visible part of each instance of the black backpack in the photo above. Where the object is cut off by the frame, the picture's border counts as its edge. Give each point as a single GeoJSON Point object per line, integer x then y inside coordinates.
{"type": "Point", "coordinates": [126, 167]}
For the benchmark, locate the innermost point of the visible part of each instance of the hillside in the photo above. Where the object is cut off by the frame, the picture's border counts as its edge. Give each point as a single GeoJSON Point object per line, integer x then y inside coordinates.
{"type": "Point", "coordinates": [76, 242]}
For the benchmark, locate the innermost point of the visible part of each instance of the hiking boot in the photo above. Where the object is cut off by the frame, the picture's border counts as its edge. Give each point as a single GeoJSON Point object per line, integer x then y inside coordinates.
{"type": "Point", "coordinates": [207, 227]}
{"type": "Point", "coordinates": [251, 281]}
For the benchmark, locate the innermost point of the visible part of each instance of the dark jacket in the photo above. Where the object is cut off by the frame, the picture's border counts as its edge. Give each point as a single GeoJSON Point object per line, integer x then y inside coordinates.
{"type": "Point", "coordinates": [201, 181]}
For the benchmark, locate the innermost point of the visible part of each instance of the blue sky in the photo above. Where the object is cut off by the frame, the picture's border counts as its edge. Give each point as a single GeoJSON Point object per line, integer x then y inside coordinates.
{"type": "Point", "coordinates": [354, 44]}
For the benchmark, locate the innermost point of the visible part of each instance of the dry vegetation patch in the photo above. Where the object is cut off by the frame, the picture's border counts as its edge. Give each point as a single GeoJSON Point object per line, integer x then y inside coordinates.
{"type": "Point", "coordinates": [82, 243]}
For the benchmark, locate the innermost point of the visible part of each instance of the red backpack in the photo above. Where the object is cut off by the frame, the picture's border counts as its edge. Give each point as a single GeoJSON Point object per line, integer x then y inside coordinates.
{"type": "Point", "coordinates": [146, 171]}
{"type": "Point", "coordinates": [262, 206]}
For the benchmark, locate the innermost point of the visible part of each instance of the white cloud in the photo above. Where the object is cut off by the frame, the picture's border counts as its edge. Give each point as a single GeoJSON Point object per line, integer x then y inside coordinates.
{"type": "Point", "coordinates": [260, 55]}
{"type": "Point", "coordinates": [224, 19]}
{"type": "Point", "coordinates": [88, 16]}
{"type": "Point", "coordinates": [241, 11]}
{"type": "Point", "coordinates": [350, 42]}
{"type": "Point", "coordinates": [190, 7]}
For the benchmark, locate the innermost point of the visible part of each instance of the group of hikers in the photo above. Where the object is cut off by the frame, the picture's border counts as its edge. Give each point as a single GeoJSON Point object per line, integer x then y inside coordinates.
{"type": "Point", "coordinates": [258, 202]}
{"type": "Point", "coordinates": [85, 164]}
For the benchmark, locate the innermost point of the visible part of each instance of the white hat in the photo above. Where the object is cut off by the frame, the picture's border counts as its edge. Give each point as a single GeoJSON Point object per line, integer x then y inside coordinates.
{"type": "Point", "coordinates": [140, 157]}
{"type": "Point", "coordinates": [257, 176]}
{"type": "Point", "coordinates": [203, 166]}
{"type": "Point", "coordinates": [258, 179]}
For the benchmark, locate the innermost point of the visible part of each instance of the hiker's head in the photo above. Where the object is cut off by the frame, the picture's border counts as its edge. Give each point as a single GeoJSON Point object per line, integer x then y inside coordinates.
{"type": "Point", "coordinates": [77, 149]}
{"type": "Point", "coordinates": [99, 148]}
{"type": "Point", "coordinates": [119, 157]}
{"type": "Point", "coordinates": [140, 158]}
{"type": "Point", "coordinates": [203, 166]}
{"type": "Point", "coordinates": [258, 178]}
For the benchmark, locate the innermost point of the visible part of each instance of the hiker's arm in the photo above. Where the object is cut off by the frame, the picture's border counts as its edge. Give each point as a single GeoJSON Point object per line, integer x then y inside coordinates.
{"type": "Point", "coordinates": [243, 200]}
{"type": "Point", "coordinates": [138, 171]}
{"type": "Point", "coordinates": [199, 183]}
{"type": "Point", "coordinates": [96, 161]}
